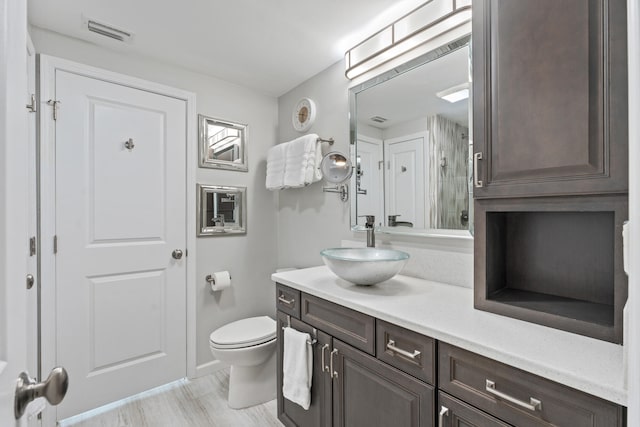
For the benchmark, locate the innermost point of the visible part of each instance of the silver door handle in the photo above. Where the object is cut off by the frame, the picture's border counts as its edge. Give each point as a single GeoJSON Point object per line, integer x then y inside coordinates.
{"type": "Point", "coordinates": [177, 254]}
{"type": "Point", "coordinates": [324, 364]}
{"type": "Point", "coordinates": [333, 373]}
{"type": "Point", "coordinates": [391, 345]}
{"type": "Point", "coordinates": [443, 411]}
{"type": "Point", "coordinates": [476, 158]}
{"type": "Point", "coordinates": [533, 405]}
{"type": "Point", "coordinates": [53, 389]}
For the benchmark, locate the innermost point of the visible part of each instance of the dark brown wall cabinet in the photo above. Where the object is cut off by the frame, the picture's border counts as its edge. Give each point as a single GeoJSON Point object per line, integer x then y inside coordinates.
{"type": "Point", "coordinates": [550, 140]}
{"type": "Point", "coordinates": [550, 97]}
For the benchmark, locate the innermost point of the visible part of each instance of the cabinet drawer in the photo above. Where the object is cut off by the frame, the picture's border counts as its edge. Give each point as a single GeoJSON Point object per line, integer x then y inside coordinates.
{"type": "Point", "coordinates": [407, 350]}
{"type": "Point", "coordinates": [354, 328]}
{"type": "Point", "coordinates": [456, 413]}
{"type": "Point", "coordinates": [518, 397]}
{"type": "Point", "coordinates": [288, 300]}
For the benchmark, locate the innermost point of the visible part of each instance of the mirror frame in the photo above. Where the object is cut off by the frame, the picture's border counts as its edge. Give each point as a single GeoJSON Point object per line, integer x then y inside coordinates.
{"type": "Point", "coordinates": [203, 228]}
{"type": "Point", "coordinates": [205, 162]}
{"type": "Point", "coordinates": [432, 55]}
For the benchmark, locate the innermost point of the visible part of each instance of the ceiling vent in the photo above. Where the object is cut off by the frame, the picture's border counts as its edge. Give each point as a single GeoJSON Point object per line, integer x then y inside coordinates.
{"type": "Point", "coordinates": [109, 31]}
{"type": "Point", "coordinates": [378, 119]}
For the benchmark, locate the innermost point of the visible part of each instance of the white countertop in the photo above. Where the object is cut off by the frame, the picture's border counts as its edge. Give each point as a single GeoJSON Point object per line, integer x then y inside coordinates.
{"type": "Point", "coordinates": [446, 313]}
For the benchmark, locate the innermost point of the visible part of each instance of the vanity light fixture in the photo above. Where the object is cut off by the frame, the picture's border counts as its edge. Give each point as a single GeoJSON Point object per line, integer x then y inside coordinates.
{"type": "Point", "coordinates": [455, 93]}
{"type": "Point", "coordinates": [414, 30]}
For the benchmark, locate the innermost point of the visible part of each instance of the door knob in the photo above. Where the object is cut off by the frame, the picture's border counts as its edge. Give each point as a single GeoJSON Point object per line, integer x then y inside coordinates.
{"type": "Point", "coordinates": [53, 389]}
{"type": "Point", "coordinates": [177, 254]}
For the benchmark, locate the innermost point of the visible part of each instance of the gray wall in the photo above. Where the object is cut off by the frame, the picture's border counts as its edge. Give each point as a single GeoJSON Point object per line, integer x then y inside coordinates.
{"type": "Point", "coordinates": [252, 258]}
{"type": "Point", "coordinates": [308, 219]}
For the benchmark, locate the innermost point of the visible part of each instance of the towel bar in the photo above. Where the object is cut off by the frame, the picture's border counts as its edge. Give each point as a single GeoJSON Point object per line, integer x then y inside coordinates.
{"type": "Point", "coordinates": [315, 332]}
{"type": "Point", "coordinates": [330, 140]}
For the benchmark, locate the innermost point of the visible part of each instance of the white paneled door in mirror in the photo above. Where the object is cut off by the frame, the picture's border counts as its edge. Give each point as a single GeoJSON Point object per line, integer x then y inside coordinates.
{"type": "Point", "coordinates": [120, 213]}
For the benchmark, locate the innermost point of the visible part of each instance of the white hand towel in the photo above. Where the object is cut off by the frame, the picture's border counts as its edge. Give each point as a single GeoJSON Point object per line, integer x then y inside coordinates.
{"type": "Point", "coordinates": [297, 367]}
{"type": "Point", "coordinates": [300, 161]}
{"type": "Point", "coordinates": [276, 158]}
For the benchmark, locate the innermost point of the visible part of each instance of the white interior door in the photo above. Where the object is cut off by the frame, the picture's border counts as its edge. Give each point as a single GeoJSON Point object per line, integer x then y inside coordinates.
{"type": "Point", "coordinates": [13, 205]}
{"type": "Point", "coordinates": [405, 180]}
{"type": "Point", "coordinates": [370, 164]}
{"type": "Point", "coordinates": [120, 214]}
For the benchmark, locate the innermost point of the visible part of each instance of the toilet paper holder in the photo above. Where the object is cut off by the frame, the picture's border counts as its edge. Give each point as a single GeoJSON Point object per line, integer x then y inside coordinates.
{"type": "Point", "coordinates": [211, 280]}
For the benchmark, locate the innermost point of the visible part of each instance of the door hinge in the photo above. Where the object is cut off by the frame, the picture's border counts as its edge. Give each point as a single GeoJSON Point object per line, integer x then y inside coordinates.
{"type": "Point", "coordinates": [55, 244]}
{"type": "Point", "coordinates": [32, 106]}
{"type": "Point", "coordinates": [380, 164]}
{"type": "Point", "coordinates": [32, 246]}
{"type": "Point", "coordinates": [55, 104]}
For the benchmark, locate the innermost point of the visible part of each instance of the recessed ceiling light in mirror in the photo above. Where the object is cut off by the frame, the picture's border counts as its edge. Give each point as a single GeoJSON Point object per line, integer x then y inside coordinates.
{"type": "Point", "coordinates": [455, 93]}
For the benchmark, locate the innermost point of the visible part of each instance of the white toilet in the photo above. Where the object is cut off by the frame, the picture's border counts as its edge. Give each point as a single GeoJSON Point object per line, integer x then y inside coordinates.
{"type": "Point", "coordinates": [249, 346]}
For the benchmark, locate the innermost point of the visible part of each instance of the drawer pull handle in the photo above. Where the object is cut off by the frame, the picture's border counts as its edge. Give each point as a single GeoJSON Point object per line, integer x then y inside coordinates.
{"type": "Point", "coordinates": [391, 345]}
{"type": "Point", "coordinates": [533, 405]}
{"type": "Point", "coordinates": [333, 373]}
{"type": "Point", "coordinates": [288, 302]}
{"type": "Point", "coordinates": [325, 367]}
{"type": "Point", "coordinates": [443, 411]}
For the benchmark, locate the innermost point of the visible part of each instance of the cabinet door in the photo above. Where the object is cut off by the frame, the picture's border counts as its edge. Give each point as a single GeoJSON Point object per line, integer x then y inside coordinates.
{"type": "Point", "coordinates": [550, 97]}
{"type": "Point", "coordinates": [319, 413]}
{"type": "Point", "coordinates": [455, 413]}
{"type": "Point", "coordinates": [368, 392]}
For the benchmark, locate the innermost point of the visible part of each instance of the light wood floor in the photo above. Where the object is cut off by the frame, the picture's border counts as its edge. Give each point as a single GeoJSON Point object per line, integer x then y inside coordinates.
{"type": "Point", "coordinates": [201, 402]}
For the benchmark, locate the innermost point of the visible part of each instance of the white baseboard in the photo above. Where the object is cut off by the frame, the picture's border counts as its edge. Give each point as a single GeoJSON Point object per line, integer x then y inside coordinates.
{"type": "Point", "coordinates": [209, 368]}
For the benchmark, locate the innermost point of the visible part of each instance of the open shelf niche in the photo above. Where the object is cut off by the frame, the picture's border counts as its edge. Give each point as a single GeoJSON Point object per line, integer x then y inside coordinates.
{"type": "Point", "coordinates": [556, 264]}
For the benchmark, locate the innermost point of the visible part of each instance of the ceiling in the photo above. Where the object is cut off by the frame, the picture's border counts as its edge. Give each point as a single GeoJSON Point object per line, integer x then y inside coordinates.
{"type": "Point", "coordinates": [271, 46]}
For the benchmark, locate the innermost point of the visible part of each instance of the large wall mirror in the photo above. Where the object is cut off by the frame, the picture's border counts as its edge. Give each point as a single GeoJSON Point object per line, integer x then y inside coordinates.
{"type": "Point", "coordinates": [223, 144]}
{"type": "Point", "coordinates": [411, 145]}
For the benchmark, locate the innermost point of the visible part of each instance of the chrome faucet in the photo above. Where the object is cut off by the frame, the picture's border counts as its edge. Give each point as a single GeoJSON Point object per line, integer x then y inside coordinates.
{"type": "Point", "coordinates": [370, 227]}
{"type": "Point", "coordinates": [394, 223]}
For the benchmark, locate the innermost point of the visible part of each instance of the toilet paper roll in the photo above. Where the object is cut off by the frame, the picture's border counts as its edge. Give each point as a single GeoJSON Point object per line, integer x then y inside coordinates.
{"type": "Point", "coordinates": [220, 280]}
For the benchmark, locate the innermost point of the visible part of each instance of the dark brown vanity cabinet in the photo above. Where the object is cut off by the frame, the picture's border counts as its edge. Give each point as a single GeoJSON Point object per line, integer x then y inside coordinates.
{"type": "Point", "coordinates": [550, 97]}
{"type": "Point", "coordinates": [391, 376]}
{"type": "Point", "coordinates": [351, 387]}
{"type": "Point", "coordinates": [515, 397]}
{"type": "Point", "coordinates": [319, 413]}
{"type": "Point", "coordinates": [551, 154]}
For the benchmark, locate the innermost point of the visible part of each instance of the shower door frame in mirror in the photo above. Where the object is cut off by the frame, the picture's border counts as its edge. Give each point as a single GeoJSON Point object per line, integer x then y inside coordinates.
{"type": "Point", "coordinates": [357, 188]}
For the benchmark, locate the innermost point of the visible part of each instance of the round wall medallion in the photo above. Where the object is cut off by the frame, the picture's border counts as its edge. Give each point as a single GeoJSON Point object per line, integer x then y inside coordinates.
{"type": "Point", "coordinates": [304, 114]}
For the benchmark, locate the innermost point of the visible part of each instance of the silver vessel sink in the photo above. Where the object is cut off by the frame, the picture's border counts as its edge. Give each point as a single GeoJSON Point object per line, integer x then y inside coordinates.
{"type": "Point", "coordinates": [364, 266]}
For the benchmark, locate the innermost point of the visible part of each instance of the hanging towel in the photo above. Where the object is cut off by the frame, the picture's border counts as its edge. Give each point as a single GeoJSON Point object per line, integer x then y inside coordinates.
{"type": "Point", "coordinates": [301, 158]}
{"type": "Point", "coordinates": [276, 157]}
{"type": "Point", "coordinates": [297, 367]}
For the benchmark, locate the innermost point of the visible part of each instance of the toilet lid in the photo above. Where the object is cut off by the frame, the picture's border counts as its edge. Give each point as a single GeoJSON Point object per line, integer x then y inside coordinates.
{"type": "Point", "coordinates": [244, 332]}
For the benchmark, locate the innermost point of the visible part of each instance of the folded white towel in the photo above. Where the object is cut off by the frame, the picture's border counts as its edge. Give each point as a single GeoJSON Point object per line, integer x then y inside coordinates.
{"type": "Point", "coordinates": [313, 172]}
{"type": "Point", "coordinates": [301, 158]}
{"type": "Point", "coordinates": [297, 367]}
{"type": "Point", "coordinates": [276, 157]}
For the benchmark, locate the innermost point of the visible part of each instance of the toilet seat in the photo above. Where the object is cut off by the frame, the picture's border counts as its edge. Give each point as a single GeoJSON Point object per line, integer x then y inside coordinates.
{"type": "Point", "coordinates": [244, 333]}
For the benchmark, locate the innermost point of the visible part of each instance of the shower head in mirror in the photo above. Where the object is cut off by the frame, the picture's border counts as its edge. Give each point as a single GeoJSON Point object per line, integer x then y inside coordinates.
{"type": "Point", "coordinates": [336, 167]}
